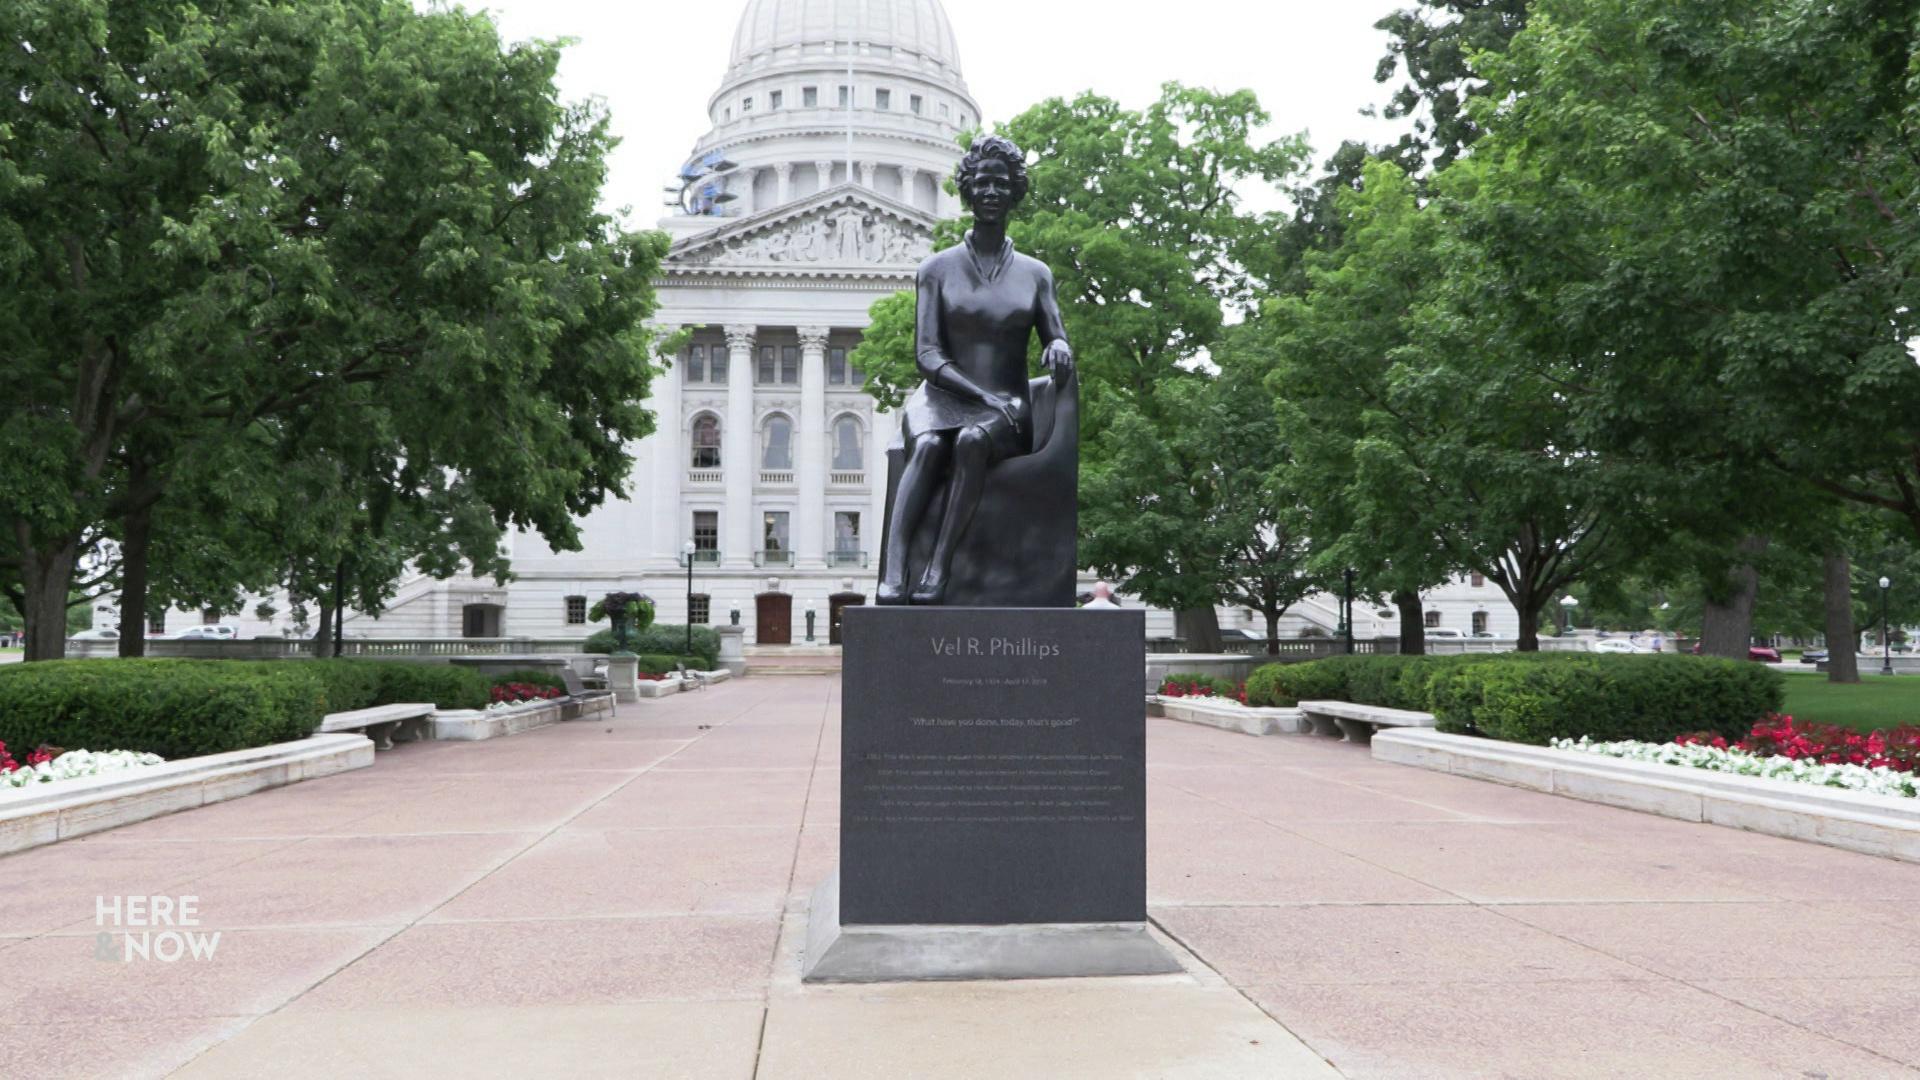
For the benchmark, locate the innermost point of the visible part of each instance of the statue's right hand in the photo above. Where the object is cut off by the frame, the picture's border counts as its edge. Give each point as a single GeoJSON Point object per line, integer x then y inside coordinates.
{"type": "Point", "coordinates": [1004, 405]}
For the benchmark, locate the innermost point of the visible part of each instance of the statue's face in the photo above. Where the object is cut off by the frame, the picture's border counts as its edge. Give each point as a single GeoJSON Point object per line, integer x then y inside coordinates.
{"type": "Point", "coordinates": [992, 191]}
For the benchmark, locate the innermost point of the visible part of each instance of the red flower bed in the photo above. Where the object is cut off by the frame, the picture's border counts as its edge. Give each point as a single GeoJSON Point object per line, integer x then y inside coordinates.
{"type": "Point", "coordinates": [37, 756]}
{"type": "Point", "coordinates": [1829, 744]}
{"type": "Point", "coordinates": [519, 691]}
{"type": "Point", "coordinates": [1219, 688]}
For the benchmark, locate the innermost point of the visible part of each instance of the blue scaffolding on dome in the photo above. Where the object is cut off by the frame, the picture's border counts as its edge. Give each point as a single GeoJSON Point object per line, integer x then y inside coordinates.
{"type": "Point", "coordinates": [702, 191]}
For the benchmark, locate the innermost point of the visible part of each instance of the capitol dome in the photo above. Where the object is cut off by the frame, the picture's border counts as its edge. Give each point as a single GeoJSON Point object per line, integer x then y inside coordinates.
{"type": "Point", "coordinates": [912, 28]}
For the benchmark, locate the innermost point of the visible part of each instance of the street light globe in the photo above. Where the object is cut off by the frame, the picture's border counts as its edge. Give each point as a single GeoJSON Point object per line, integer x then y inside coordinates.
{"type": "Point", "coordinates": [1886, 583]}
{"type": "Point", "coordinates": [1570, 602]}
{"type": "Point", "coordinates": [687, 548]}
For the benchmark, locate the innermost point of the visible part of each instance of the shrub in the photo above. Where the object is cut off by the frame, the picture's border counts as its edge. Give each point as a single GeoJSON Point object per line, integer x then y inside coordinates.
{"type": "Point", "coordinates": [663, 664]}
{"type": "Point", "coordinates": [1286, 685]}
{"type": "Point", "coordinates": [662, 639]}
{"type": "Point", "coordinates": [445, 685]}
{"type": "Point", "coordinates": [174, 708]}
{"type": "Point", "coordinates": [541, 677]}
{"type": "Point", "coordinates": [1536, 699]}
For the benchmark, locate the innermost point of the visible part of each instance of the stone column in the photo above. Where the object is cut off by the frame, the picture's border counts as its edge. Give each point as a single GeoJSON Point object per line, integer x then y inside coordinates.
{"type": "Point", "coordinates": [784, 171]}
{"type": "Point", "coordinates": [671, 457]}
{"type": "Point", "coordinates": [867, 169]}
{"type": "Point", "coordinates": [825, 169]}
{"type": "Point", "coordinates": [909, 182]}
{"type": "Point", "coordinates": [737, 541]}
{"type": "Point", "coordinates": [812, 465]}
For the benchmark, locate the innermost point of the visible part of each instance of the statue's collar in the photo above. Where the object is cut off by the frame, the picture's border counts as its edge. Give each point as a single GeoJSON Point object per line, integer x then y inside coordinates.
{"type": "Point", "coordinates": [989, 270]}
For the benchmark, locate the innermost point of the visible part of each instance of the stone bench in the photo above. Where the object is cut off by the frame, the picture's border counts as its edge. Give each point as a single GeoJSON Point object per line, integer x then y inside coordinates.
{"type": "Point", "coordinates": [1357, 723]}
{"type": "Point", "coordinates": [382, 723]}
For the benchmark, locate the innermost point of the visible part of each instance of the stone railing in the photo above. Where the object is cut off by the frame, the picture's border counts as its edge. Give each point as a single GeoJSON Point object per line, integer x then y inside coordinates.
{"type": "Point", "coordinates": [847, 479]}
{"type": "Point", "coordinates": [706, 476]}
{"type": "Point", "coordinates": [297, 648]}
{"type": "Point", "coordinates": [776, 479]}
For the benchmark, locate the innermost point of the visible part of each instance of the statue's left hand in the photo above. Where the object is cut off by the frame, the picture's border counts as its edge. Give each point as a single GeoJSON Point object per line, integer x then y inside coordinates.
{"type": "Point", "coordinates": [1058, 359]}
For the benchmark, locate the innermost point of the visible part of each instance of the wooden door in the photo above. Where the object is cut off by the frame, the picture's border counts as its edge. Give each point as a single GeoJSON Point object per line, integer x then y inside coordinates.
{"type": "Point", "coordinates": [773, 622]}
{"type": "Point", "coordinates": [837, 605]}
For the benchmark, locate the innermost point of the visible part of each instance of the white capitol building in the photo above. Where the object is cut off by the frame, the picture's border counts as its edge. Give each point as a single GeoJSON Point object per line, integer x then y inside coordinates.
{"type": "Point", "coordinates": [815, 194]}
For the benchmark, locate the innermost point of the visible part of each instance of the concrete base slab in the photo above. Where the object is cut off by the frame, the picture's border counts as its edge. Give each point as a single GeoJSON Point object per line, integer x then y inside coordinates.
{"type": "Point", "coordinates": [1229, 716]}
{"type": "Point", "coordinates": [836, 953]}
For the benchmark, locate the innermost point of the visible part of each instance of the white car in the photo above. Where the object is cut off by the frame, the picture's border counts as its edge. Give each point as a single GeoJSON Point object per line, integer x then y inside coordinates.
{"type": "Point", "coordinates": [1616, 645]}
{"type": "Point", "coordinates": [1445, 632]}
{"type": "Point", "coordinates": [208, 633]}
{"type": "Point", "coordinates": [101, 634]}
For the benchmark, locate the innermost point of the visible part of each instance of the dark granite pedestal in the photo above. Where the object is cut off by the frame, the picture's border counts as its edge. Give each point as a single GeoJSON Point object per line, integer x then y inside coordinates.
{"type": "Point", "coordinates": [993, 799]}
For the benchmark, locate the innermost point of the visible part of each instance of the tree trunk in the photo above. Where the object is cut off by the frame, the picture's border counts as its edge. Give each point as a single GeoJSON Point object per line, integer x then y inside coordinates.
{"type": "Point", "coordinates": [135, 555]}
{"type": "Point", "coordinates": [1200, 627]}
{"type": "Point", "coordinates": [323, 641]}
{"type": "Point", "coordinates": [1529, 640]}
{"type": "Point", "coordinates": [1413, 623]}
{"type": "Point", "coordinates": [1726, 628]}
{"type": "Point", "coordinates": [1843, 660]}
{"type": "Point", "coordinates": [46, 578]}
{"type": "Point", "coordinates": [1273, 630]}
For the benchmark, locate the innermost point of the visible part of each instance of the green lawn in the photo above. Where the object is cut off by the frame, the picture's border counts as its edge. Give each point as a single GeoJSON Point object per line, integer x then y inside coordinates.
{"type": "Point", "coordinates": [1876, 702]}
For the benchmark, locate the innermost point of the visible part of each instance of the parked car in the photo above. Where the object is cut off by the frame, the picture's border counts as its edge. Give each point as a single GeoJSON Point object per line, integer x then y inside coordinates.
{"type": "Point", "coordinates": [99, 634]}
{"type": "Point", "coordinates": [1616, 645]}
{"type": "Point", "coordinates": [1814, 656]}
{"type": "Point", "coordinates": [1765, 653]}
{"type": "Point", "coordinates": [1445, 632]}
{"type": "Point", "coordinates": [208, 633]}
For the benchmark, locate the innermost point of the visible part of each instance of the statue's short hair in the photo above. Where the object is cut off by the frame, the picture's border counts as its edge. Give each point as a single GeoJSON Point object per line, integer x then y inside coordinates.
{"type": "Point", "coordinates": [992, 148]}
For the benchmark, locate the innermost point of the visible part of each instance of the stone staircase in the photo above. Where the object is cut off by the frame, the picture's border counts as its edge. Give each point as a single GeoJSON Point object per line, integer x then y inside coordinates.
{"type": "Point", "coordinates": [785, 660]}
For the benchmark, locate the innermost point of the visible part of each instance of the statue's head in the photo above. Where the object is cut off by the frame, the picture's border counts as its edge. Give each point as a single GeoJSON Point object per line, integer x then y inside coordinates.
{"type": "Point", "coordinates": [992, 178]}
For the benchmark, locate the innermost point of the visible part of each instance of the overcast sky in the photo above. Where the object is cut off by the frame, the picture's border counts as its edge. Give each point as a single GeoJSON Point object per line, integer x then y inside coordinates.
{"type": "Point", "coordinates": [656, 62]}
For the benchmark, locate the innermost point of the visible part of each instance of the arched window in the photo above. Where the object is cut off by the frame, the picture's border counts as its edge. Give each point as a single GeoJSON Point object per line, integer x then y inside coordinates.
{"type": "Point", "coordinates": [846, 445]}
{"type": "Point", "coordinates": [706, 441]}
{"type": "Point", "coordinates": [777, 454]}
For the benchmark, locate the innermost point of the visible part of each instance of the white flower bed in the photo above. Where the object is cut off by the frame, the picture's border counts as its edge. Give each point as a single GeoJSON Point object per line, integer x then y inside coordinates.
{"type": "Point", "coordinates": [75, 764]}
{"type": "Point", "coordinates": [1742, 763]}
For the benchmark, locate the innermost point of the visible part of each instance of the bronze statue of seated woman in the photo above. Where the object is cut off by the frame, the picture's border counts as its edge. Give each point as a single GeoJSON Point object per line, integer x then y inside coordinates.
{"type": "Point", "coordinates": [994, 452]}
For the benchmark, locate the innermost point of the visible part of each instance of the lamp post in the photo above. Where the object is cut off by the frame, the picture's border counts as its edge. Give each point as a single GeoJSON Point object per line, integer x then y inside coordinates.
{"type": "Point", "coordinates": [1886, 643]}
{"type": "Point", "coordinates": [809, 620]}
{"type": "Point", "coordinates": [687, 550]}
{"type": "Point", "coordinates": [1346, 611]}
{"type": "Point", "coordinates": [1567, 604]}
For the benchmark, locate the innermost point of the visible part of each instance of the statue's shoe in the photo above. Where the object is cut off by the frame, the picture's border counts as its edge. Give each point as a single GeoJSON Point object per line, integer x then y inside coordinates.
{"type": "Point", "coordinates": [931, 590]}
{"type": "Point", "coordinates": [890, 593]}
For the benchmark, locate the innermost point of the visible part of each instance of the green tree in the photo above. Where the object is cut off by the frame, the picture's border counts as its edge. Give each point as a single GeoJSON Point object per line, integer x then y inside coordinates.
{"type": "Point", "coordinates": [258, 237]}
{"type": "Point", "coordinates": [1196, 514]}
{"type": "Point", "coordinates": [1435, 46]}
{"type": "Point", "coordinates": [1716, 200]}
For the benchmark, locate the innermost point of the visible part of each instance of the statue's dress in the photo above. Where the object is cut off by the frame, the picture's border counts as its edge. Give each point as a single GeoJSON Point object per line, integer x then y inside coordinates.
{"type": "Point", "coordinates": [979, 315]}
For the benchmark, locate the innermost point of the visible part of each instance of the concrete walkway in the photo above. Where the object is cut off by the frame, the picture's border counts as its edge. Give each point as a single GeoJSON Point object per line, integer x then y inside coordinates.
{"type": "Point", "coordinates": [626, 897]}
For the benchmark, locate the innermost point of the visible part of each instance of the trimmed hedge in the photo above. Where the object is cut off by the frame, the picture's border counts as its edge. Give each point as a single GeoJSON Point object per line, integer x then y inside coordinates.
{"type": "Point", "coordinates": [665, 639]}
{"type": "Point", "coordinates": [174, 708]}
{"type": "Point", "coordinates": [1538, 697]}
{"type": "Point", "coordinates": [186, 708]}
{"type": "Point", "coordinates": [531, 677]}
{"type": "Point", "coordinates": [662, 664]}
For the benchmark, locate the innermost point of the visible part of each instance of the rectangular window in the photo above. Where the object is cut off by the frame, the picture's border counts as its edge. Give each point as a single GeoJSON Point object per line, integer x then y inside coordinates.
{"type": "Point", "coordinates": [775, 98]}
{"type": "Point", "coordinates": [883, 100]}
{"type": "Point", "coordinates": [915, 104]}
{"type": "Point", "coordinates": [1433, 620]}
{"type": "Point", "coordinates": [944, 111]}
{"type": "Point", "coordinates": [157, 624]}
{"type": "Point", "coordinates": [209, 617]}
{"type": "Point", "coordinates": [717, 365]}
{"type": "Point", "coordinates": [746, 106]}
{"type": "Point", "coordinates": [1479, 581]}
{"type": "Point", "coordinates": [726, 113]}
{"type": "Point", "coordinates": [706, 530]}
{"type": "Point", "coordinates": [766, 365]}
{"type": "Point", "coordinates": [846, 536]}
{"type": "Point", "coordinates": [810, 97]}
{"type": "Point", "coordinates": [837, 367]}
{"type": "Point", "coordinates": [700, 609]}
{"type": "Point", "coordinates": [856, 376]}
{"type": "Point", "coordinates": [696, 363]}
{"type": "Point", "coordinates": [1479, 623]}
{"type": "Point", "coordinates": [576, 611]}
{"type": "Point", "coordinates": [790, 364]}
{"type": "Point", "coordinates": [773, 538]}
{"type": "Point", "coordinates": [846, 97]}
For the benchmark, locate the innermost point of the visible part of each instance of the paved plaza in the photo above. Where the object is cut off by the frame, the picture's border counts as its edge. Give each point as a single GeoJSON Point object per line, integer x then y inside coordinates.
{"type": "Point", "coordinates": [626, 898]}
